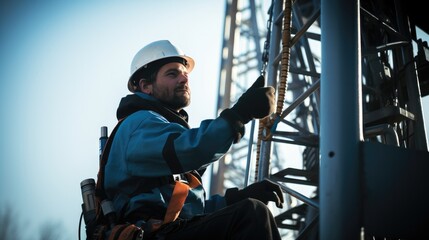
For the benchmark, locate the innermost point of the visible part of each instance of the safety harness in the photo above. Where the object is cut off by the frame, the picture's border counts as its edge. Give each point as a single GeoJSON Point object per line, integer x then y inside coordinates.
{"type": "Point", "coordinates": [106, 224]}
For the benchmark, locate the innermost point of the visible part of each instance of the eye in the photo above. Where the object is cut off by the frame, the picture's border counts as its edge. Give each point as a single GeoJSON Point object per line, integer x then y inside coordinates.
{"type": "Point", "coordinates": [172, 73]}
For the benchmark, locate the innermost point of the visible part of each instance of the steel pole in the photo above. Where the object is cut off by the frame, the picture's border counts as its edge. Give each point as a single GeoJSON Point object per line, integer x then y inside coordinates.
{"type": "Point", "coordinates": [341, 121]}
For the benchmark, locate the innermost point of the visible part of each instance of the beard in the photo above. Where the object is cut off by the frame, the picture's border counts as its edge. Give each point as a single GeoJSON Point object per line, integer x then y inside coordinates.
{"type": "Point", "coordinates": [176, 100]}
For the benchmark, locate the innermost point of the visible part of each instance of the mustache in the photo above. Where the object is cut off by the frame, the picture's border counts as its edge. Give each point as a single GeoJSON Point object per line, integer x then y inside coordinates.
{"type": "Point", "coordinates": [182, 87]}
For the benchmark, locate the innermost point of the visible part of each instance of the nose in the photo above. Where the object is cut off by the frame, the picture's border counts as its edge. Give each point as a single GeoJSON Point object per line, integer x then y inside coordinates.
{"type": "Point", "coordinates": [183, 78]}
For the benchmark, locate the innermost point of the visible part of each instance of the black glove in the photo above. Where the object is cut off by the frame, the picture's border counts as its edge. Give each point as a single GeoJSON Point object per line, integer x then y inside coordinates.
{"type": "Point", "coordinates": [256, 102]}
{"type": "Point", "coordinates": [264, 191]}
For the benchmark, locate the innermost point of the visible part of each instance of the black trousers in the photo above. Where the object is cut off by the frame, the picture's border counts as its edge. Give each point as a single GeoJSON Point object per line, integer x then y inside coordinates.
{"type": "Point", "coordinates": [248, 219]}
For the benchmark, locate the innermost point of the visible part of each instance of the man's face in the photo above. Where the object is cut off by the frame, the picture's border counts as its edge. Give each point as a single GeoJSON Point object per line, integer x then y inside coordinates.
{"type": "Point", "coordinates": [171, 86]}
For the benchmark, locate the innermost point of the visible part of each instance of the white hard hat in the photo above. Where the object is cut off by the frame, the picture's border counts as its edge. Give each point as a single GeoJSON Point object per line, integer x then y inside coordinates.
{"type": "Point", "coordinates": [162, 49]}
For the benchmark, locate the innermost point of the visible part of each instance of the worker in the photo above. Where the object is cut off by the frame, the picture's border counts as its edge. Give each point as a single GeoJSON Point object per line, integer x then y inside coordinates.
{"type": "Point", "coordinates": [155, 151]}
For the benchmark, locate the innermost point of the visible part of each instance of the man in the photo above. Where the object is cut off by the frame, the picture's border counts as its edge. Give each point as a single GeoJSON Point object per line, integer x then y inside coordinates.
{"type": "Point", "coordinates": [156, 160]}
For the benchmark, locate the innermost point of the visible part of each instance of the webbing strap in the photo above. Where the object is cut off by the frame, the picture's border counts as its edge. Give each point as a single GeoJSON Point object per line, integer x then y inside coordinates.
{"type": "Point", "coordinates": [126, 232]}
{"type": "Point", "coordinates": [178, 198]}
{"type": "Point", "coordinates": [100, 194]}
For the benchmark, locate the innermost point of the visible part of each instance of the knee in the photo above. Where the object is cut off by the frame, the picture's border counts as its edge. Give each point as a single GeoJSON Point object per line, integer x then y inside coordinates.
{"type": "Point", "coordinates": [255, 207]}
{"type": "Point", "coordinates": [255, 214]}
{"type": "Point", "coordinates": [253, 203]}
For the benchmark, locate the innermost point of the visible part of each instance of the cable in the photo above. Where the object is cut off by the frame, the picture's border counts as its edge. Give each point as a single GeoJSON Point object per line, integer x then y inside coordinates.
{"type": "Point", "coordinates": [80, 225]}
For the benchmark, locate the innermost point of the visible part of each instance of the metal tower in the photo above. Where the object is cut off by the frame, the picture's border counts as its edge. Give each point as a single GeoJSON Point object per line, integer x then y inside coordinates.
{"type": "Point", "coordinates": [241, 64]}
{"type": "Point", "coordinates": [348, 141]}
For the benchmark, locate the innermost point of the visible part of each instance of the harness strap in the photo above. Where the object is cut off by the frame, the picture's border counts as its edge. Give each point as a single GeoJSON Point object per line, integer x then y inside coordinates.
{"type": "Point", "coordinates": [178, 197]}
{"type": "Point", "coordinates": [100, 193]}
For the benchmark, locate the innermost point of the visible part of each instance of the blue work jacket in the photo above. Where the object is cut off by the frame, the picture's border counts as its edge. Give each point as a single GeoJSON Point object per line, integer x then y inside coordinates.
{"type": "Point", "coordinates": [152, 144]}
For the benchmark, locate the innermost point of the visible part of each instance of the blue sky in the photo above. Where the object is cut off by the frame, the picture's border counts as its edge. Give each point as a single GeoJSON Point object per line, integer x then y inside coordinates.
{"type": "Point", "coordinates": [64, 67]}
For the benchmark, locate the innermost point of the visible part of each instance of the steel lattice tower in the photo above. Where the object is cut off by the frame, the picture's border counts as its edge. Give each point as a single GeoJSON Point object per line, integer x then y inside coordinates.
{"type": "Point", "coordinates": [241, 62]}
{"type": "Point", "coordinates": [348, 141]}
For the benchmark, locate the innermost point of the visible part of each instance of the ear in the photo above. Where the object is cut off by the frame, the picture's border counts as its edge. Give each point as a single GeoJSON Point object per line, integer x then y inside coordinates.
{"type": "Point", "coordinates": [145, 86]}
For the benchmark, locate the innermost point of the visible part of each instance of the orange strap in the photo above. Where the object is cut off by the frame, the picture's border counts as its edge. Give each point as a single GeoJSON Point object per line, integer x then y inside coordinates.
{"type": "Point", "coordinates": [178, 198]}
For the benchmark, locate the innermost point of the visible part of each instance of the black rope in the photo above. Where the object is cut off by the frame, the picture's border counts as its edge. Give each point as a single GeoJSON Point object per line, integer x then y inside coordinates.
{"type": "Point", "coordinates": [265, 54]}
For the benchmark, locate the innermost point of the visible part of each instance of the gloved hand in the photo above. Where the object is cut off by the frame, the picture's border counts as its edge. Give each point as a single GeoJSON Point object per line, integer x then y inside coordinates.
{"type": "Point", "coordinates": [256, 102]}
{"type": "Point", "coordinates": [264, 191]}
